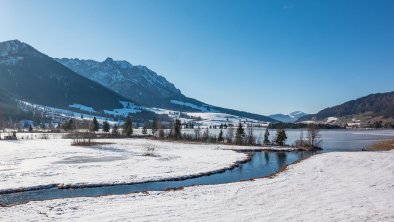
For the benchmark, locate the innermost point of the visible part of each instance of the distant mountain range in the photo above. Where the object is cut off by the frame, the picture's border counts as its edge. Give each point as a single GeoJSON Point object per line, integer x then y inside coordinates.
{"type": "Point", "coordinates": [290, 118]}
{"type": "Point", "coordinates": [109, 87]}
{"type": "Point", "coordinates": [144, 86]}
{"type": "Point", "coordinates": [371, 108]}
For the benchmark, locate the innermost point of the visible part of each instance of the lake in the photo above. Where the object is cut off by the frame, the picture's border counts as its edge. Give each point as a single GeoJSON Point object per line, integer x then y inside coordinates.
{"type": "Point", "coordinates": [261, 164]}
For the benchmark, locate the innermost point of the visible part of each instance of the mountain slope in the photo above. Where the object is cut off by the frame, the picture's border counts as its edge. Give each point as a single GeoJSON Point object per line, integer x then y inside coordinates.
{"type": "Point", "coordinates": [144, 86]}
{"type": "Point", "coordinates": [374, 106]}
{"type": "Point", "coordinates": [290, 118]}
{"type": "Point", "coordinates": [37, 78]}
{"type": "Point", "coordinates": [135, 82]}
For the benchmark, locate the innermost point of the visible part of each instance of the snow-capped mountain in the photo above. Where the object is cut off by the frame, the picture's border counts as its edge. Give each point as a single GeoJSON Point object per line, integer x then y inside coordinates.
{"type": "Point", "coordinates": [289, 118]}
{"type": "Point", "coordinates": [108, 89]}
{"type": "Point", "coordinates": [135, 82]}
{"type": "Point", "coordinates": [145, 86]}
{"type": "Point", "coordinates": [36, 78]}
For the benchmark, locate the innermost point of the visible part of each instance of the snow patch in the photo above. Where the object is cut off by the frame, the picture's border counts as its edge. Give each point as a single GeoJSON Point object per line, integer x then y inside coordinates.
{"type": "Point", "coordinates": [82, 107]}
{"type": "Point", "coordinates": [203, 108]}
{"type": "Point", "coordinates": [343, 186]}
{"type": "Point", "coordinates": [30, 163]}
{"type": "Point", "coordinates": [331, 119]}
{"type": "Point", "coordinates": [128, 108]}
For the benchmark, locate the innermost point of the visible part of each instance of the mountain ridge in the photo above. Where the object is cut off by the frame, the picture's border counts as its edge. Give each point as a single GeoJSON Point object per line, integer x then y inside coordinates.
{"type": "Point", "coordinates": [35, 77]}
{"type": "Point", "coordinates": [288, 118]}
{"type": "Point", "coordinates": [373, 107]}
{"type": "Point", "coordinates": [152, 89]}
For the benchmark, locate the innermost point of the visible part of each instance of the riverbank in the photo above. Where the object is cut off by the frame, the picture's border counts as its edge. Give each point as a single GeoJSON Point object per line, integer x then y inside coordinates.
{"type": "Point", "coordinates": [46, 163]}
{"type": "Point", "coordinates": [344, 186]}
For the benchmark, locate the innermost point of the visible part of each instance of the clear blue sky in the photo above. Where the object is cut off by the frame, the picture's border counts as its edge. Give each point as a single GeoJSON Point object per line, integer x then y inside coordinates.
{"type": "Point", "coordinates": [260, 56]}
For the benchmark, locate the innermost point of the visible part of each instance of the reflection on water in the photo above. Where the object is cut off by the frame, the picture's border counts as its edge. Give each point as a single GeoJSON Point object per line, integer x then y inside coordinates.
{"type": "Point", "coordinates": [261, 164]}
{"type": "Point", "coordinates": [333, 140]}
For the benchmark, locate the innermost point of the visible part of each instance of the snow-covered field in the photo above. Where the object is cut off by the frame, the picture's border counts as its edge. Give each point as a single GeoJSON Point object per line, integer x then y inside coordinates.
{"type": "Point", "coordinates": [32, 163]}
{"type": "Point", "coordinates": [344, 186]}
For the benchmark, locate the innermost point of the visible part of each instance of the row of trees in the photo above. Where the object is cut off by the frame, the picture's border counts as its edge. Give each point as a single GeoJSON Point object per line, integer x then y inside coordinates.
{"type": "Point", "coordinates": [238, 136]}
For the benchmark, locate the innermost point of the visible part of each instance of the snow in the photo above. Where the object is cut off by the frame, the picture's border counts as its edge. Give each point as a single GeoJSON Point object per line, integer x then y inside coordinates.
{"type": "Point", "coordinates": [308, 122]}
{"type": "Point", "coordinates": [296, 114]}
{"type": "Point", "coordinates": [30, 163]}
{"type": "Point", "coordinates": [9, 48]}
{"type": "Point", "coordinates": [11, 60]}
{"type": "Point", "coordinates": [56, 112]}
{"type": "Point", "coordinates": [122, 76]}
{"type": "Point", "coordinates": [207, 118]}
{"type": "Point", "coordinates": [212, 118]}
{"type": "Point", "coordinates": [203, 108]}
{"type": "Point", "coordinates": [352, 186]}
{"type": "Point", "coordinates": [82, 107]}
{"type": "Point", "coordinates": [127, 109]}
{"type": "Point", "coordinates": [331, 119]}
{"type": "Point", "coordinates": [122, 111]}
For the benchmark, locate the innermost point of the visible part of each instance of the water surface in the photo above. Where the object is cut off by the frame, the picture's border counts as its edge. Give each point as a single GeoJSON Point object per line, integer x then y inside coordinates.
{"type": "Point", "coordinates": [261, 164]}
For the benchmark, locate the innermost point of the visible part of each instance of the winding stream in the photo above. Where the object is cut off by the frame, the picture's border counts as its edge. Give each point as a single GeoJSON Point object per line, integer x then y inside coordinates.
{"type": "Point", "coordinates": [261, 164]}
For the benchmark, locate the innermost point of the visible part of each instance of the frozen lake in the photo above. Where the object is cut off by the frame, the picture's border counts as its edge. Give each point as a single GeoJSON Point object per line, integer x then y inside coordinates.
{"type": "Point", "coordinates": [333, 140]}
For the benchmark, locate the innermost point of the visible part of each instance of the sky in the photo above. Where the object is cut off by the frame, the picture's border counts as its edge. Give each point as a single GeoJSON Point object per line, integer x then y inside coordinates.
{"type": "Point", "coordinates": [266, 56]}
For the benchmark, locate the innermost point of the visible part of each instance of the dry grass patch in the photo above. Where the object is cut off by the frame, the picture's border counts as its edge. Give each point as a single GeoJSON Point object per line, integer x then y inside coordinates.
{"type": "Point", "coordinates": [87, 142]}
{"type": "Point", "coordinates": [384, 145]}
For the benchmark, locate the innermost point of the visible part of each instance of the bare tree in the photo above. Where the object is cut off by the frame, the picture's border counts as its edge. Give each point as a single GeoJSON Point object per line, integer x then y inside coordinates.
{"type": "Point", "coordinates": [1, 121]}
{"type": "Point", "coordinates": [250, 137]}
{"type": "Point", "coordinates": [205, 135]}
{"type": "Point", "coordinates": [301, 141]}
{"type": "Point", "coordinates": [314, 138]}
{"type": "Point", "coordinates": [197, 133]}
{"type": "Point", "coordinates": [230, 135]}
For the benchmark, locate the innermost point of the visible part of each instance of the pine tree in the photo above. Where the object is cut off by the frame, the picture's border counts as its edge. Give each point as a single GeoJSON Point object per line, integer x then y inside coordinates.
{"type": "Point", "coordinates": [70, 125]}
{"type": "Point", "coordinates": [239, 134]}
{"type": "Point", "coordinates": [154, 125]}
{"type": "Point", "coordinates": [128, 126]}
{"type": "Point", "coordinates": [106, 126]}
{"type": "Point", "coordinates": [177, 129]}
{"type": "Point", "coordinates": [95, 125]}
{"type": "Point", "coordinates": [115, 130]}
{"type": "Point", "coordinates": [281, 136]}
{"type": "Point", "coordinates": [220, 137]}
{"type": "Point", "coordinates": [266, 137]}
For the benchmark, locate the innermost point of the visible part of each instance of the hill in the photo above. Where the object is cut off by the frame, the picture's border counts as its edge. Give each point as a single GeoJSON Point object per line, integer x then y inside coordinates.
{"type": "Point", "coordinates": [290, 118]}
{"type": "Point", "coordinates": [368, 109]}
